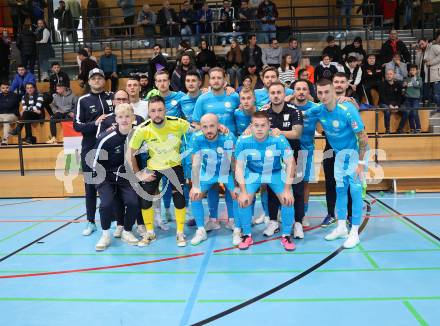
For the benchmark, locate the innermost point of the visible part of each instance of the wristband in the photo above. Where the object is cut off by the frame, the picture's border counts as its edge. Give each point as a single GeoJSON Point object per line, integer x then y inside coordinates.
{"type": "Point", "coordinates": [362, 163]}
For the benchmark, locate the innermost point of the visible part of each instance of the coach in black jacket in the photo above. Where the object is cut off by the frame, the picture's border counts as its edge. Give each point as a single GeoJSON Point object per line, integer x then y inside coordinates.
{"type": "Point", "coordinates": [91, 109]}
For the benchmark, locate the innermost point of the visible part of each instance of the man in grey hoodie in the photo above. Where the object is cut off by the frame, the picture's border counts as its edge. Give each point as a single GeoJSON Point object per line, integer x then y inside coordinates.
{"type": "Point", "coordinates": [273, 54]}
{"type": "Point", "coordinates": [63, 106]}
{"type": "Point", "coordinates": [294, 51]}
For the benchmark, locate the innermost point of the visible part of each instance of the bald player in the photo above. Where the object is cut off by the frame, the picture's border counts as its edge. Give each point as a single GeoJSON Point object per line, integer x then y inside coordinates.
{"type": "Point", "coordinates": [211, 164]}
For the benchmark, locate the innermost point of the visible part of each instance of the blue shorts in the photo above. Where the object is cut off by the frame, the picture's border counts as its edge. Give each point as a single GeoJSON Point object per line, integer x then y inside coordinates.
{"type": "Point", "coordinates": [276, 181]}
{"type": "Point", "coordinates": [229, 183]}
{"type": "Point", "coordinates": [309, 171]}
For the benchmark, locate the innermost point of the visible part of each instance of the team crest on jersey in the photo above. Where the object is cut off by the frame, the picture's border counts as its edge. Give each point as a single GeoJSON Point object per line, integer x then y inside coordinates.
{"type": "Point", "coordinates": [286, 117]}
{"type": "Point", "coordinates": [109, 102]}
{"type": "Point", "coordinates": [228, 105]}
{"type": "Point", "coordinates": [335, 123]}
{"type": "Point", "coordinates": [220, 150]}
{"type": "Point", "coordinates": [268, 153]}
{"type": "Point", "coordinates": [173, 102]}
{"type": "Point", "coordinates": [92, 109]}
{"type": "Point", "coordinates": [170, 136]}
{"type": "Point", "coordinates": [118, 149]}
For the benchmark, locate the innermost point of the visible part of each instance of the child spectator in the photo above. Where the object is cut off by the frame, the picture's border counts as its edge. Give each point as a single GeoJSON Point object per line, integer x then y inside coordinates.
{"type": "Point", "coordinates": [325, 69]}
{"type": "Point", "coordinates": [413, 84]}
{"type": "Point", "coordinates": [371, 77]}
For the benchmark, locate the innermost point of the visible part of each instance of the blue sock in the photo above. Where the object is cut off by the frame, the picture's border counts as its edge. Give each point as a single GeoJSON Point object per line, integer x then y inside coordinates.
{"type": "Point", "coordinates": [168, 193]}
{"type": "Point", "coordinates": [265, 202]}
{"type": "Point", "coordinates": [198, 213]}
{"type": "Point", "coordinates": [229, 204]}
{"type": "Point", "coordinates": [186, 194]}
{"type": "Point", "coordinates": [213, 199]}
{"type": "Point", "coordinates": [306, 207]}
{"type": "Point", "coordinates": [246, 219]}
{"type": "Point", "coordinates": [237, 220]}
{"type": "Point", "coordinates": [287, 214]}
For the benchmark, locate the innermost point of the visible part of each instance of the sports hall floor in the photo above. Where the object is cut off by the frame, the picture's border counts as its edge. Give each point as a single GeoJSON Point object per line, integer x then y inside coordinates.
{"type": "Point", "coordinates": [51, 275]}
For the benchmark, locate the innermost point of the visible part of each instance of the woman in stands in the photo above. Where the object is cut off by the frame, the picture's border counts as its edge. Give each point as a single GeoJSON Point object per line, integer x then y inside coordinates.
{"type": "Point", "coordinates": [287, 70]}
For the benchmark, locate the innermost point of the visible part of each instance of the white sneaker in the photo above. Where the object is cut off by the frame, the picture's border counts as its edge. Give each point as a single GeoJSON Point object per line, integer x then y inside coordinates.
{"type": "Point", "coordinates": [338, 232]}
{"type": "Point", "coordinates": [141, 230]}
{"type": "Point", "coordinates": [162, 225]}
{"type": "Point", "coordinates": [352, 240]}
{"type": "Point", "coordinates": [103, 242]}
{"type": "Point", "coordinates": [90, 228]}
{"type": "Point", "coordinates": [230, 225]}
{"type": "Point", "coordinates": [180, 239]}
{"type": "Point", "coordinates": [305, 221]}
{"type": "Point", "coordinates": [298, 232]}
{"type": "Point", "coordinates": [129, 238]}
{"type": "Point", "coordinates": [118, 231]}
{"type": "Point", "coordinates": [271, 229]}
{"type": "Point", "coordinates": [199, 237]}
{"type": "Point", "coordinates": [148, 238]}
{"type": "Point", "coordinates": [212, 225]}
{"type": "Point", "coordinates": [236, 237]}
{"type": "Point", "coordinates": [259, 219]}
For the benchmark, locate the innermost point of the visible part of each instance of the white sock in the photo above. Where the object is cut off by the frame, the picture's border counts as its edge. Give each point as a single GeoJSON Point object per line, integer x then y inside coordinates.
{"type": "Point", "coordinates": [355, 228]}
{"type": "Point", "coordinates": [201, 228]}
{"type": "Point", "coordinates": [106, 233]}
{"type": "Point", "coordinates": [341, 223]}
{"type": "Point", "coordinates": [231, 220]}
{"type": "Point", "coordinates": [237, 229]}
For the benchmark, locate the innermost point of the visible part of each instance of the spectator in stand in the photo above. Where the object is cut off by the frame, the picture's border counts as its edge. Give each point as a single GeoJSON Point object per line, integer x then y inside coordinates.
{"type": "Point", "coordinates": [37, 10]}
{"type": "Point", "coordinates": [75, 8]}
{"type": "Point", "coordinates": [245, 15]}
{"type": "Point", "coordinates": [251, 71]}
{"type": "Point", "coordinates": [432, 68]}
{"type": "Point", "coordinates": [286, 71]}
{"type": "Point", "coordinates": [22, 77]}
{"type": "Point", "coordinates": [26, 43]}
{"type": "Point", "coordinates": [145, 86]}
{"type": "Point", "coordinates": [58, 77]}
{"type": "Point", "coordinates": [226, 16]}
{"type": "Point", "coordinates": [346, 7]}
{"type": "Point", "coordinates": [147, 19]}
{"type": "Point", "coordinates": [62, 107]}
{"type": "Point", "coordinates": [294, 51]}
{"type": "Point", "coordinates": [206, 59]}
{"type": "Point", "coordinates": [388, 11]}
{"type": "Point", "coordinates": [129, 12]}
{"type": "Point", "coordinates": [5, 51]}
{"type": "Point", "coordinates": [252, 54]}
{"type": "Point", "coordinates": [179, 74]}
{"type": "Point", "coordinates": [392, 46]}
{"type": "Point", "coordinates": [391, 97]}
{"type": "Point", "coordinates": [87, 65]}
{"type": "Point", "coordinates": [158, 61]}
{"type": "Point", "coordinates": [109, 64]}
{"type": "Point", "coordinates": [407, 6]}
{"type": "Point", "coordinates": [187, 17]}
{"type": "Point", "coordinates": [65, 21]}
{"type": "Point", "coordinates": [234, 63]}
{"type": "Point", "coordinates": [168, 23]}
{"type": "Point", "coordinates": [333, 50]}
{"type": "Point", "coordinates": [246, 85]}
{"type": "Point", "coordinates": [413, 85]}
{"type": "Point", "coordinates": [185, 48]}
{"type": "Point", "coordinates": [19, 11]}
{"type": "Point", "coordinates": [9, 104]}
{"type": "Point", "coordinates": [371, 77]}
{"type": "Point", "coordinates": [354, 76]}
{"type": "Point", "coordinates": [304, 74]}
{"type": "Point", "coordinates": [421, 47]}
{"type": "Point", "coordinates": [89, 52]}
{"type": "Point", "coordinates": [32, 109]}
{"type": "Point", "coordinates": [93, 14]}
{"type": "Point", "coordinates": [204, 17]}
{"type": "Point", "coordinates": [272, 55]}
{"type": "Point", "coordinates": [304, 64]}
{"type": "Point", "coordinates": [44, 48]}
{"type": "Point", "coordinates": [325, 69]}
{"type": "Point", "coordinates": [354, 48]}
{"type": "Point", "coordinates": [400, 70]}
{"type": "Point", "coordinates": [268, 13]}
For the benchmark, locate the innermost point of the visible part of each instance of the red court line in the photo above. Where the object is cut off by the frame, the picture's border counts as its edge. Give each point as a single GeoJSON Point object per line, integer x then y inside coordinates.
{"type": "Point", "coordinates": [320, 217]}
{"type": "Point", "coordinates": [146, 262]}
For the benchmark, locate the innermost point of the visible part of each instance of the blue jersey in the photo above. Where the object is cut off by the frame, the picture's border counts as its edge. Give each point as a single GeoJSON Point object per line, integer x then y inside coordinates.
{"type": "Point", "coordinates": [223, 106]}
{"type": "Point", "coordinates": [341, 126]}
{"type": "Point", "coordinates": [262, 96]}
{"type": "Point", "coordinates": [309, 122]}
{"type": "Point", "coordinates": [263, 156]}
{"type": "Point", "coordinates": [242, 121]}
{"type": "Point", "coordinates": [172, 104]}
{"type": "Point", "coordinates": [214, 152]}
{"type": "Point", "coordinates": [187, 104]}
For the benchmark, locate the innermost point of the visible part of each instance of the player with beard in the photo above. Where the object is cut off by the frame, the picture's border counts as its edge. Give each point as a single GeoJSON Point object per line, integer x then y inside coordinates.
{"type": "Point", "coordinates": [269, 75]}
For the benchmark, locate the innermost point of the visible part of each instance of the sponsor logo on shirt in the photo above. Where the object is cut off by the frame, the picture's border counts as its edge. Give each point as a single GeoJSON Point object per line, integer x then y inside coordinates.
{"type": "Point", "coordinates": [228, 105]}
{"type": "Point", "coordinates": [173, 102]}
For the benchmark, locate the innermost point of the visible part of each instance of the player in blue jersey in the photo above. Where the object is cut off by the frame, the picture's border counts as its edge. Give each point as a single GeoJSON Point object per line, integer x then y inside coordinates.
{"type": "Point", "coordinates": [243, 118]}
{"type": "Point", "coordinates": [346, 134]}
{"type": "Point", "coordinates": [218, 101]}
{"type": "Point", "coordinates": [302, 102]}
{"type": "Point", "coordinates": [259, 160]}
{"type": "Point", "coordinates": [173, 109]}
{"type": "Point", "coordinates": [212, 158]}
{"type": "Point", "coordinates": [269, 75]}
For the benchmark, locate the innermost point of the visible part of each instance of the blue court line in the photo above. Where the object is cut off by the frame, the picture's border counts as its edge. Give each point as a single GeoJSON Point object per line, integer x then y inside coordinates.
{"type": "Point", "coordinates": [197, 283]}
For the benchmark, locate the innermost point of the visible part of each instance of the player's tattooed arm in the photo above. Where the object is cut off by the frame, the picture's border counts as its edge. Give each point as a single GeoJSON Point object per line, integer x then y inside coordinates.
{"type": "Point", "coordinates": [363, 144]}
